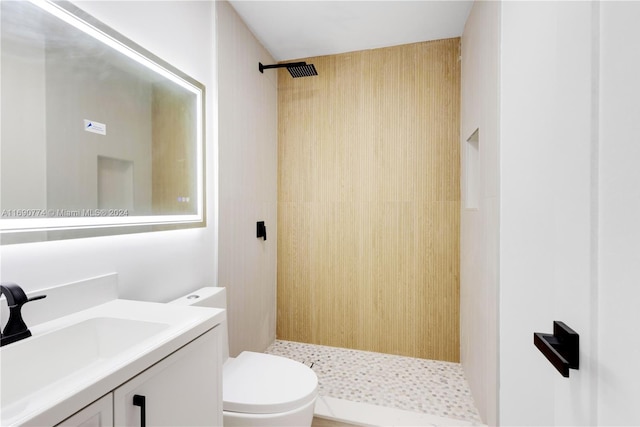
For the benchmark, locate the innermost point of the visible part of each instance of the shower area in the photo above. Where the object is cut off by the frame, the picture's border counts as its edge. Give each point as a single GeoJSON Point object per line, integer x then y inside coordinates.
{"type": "Point", "coordinates": [355, 170]}
{"type": "Point", "coordinates": [368, 225]}
{"type": "Point", "coordinates": [369, 202]}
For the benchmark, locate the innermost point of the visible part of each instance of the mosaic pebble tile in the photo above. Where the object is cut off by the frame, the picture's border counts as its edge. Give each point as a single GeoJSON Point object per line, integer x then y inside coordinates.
{"type": "Point", "coordinates": [412, 384]}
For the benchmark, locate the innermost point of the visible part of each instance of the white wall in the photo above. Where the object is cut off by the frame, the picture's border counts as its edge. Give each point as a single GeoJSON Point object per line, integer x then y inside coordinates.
{"type": "Point", "coordinates": [546, 195]}
{"type": "Point", "coordinates": [619, 193]}
{"type": "Point", "coordinates": [479, 226]}
{"type": "Point", "coordinates": [154, 266]}
{"type": "Point", "coordinates": [248, 183]}
{"type": "Point", "coordinates": [23, 90]}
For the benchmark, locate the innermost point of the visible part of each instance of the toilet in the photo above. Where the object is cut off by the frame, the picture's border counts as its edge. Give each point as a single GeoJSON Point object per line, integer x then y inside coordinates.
{"type": "Point", "coordinates": [259, 389]}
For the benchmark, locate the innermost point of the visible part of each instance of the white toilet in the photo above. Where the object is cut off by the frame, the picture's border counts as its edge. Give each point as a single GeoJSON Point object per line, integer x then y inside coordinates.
{"type": "Point", "coordinates": [259, 389]}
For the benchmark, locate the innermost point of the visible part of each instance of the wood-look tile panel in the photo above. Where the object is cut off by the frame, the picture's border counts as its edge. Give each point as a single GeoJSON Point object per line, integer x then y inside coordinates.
{"type": "Point", "coordinates": [368, 190]}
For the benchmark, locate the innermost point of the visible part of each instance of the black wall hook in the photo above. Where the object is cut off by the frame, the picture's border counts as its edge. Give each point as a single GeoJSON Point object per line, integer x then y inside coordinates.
{"type": "Point", "coordinates": [562, 348]}
{"type": "Point", "coordinates": [261, 230]}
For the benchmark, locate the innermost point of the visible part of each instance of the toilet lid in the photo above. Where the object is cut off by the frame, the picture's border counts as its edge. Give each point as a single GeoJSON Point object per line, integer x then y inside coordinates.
{"type": "Point", "coordinates": [259, 383]}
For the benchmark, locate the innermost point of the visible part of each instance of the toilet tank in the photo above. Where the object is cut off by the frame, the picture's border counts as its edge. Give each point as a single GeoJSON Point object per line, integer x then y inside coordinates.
{"type": "Point", "coordinates": [213, 297]}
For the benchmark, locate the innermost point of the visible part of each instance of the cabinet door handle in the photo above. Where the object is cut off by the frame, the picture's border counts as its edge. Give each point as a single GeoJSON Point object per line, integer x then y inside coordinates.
{"type": "Point", "coordinates": [139, 400]}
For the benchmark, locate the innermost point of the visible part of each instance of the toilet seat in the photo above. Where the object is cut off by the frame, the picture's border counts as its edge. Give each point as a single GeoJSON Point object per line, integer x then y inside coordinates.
{"type": "Point", "coordinates": [258, 383]}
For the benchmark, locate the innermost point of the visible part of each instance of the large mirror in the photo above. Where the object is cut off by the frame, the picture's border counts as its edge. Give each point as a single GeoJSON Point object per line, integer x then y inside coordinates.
{"type": "Point", "coordinates": [98, 136]}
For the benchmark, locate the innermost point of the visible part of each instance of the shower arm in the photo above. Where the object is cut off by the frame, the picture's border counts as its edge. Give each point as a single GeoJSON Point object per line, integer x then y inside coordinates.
{"type": "Point", "coordinates": [287, 65]}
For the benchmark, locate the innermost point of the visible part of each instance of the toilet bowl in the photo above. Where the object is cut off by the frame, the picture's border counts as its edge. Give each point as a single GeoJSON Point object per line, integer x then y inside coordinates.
{"type": "Point", "coordinates": [259, 389]}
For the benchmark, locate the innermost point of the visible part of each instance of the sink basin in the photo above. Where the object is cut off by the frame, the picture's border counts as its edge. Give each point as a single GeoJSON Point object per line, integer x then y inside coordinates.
{"type": "Point", "coordinates": [68, 351]}
{"type": "Point", "coordinates": [74, 360]}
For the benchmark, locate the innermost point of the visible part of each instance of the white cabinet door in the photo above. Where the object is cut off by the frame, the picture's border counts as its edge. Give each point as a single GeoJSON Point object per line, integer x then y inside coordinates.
{"type": "Point", "coordinates": [184, 389]}
{"type": "Point", "coordinates": [98, 414]}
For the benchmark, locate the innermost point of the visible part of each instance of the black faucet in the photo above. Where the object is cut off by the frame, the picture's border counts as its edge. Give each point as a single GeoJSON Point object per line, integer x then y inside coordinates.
{"type": "Point", "coordinates": [16, 329]}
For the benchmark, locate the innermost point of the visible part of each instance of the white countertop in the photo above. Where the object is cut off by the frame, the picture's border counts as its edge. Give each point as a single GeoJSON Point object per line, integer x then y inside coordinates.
{"type": "Point", "coordinates": [47, 377]}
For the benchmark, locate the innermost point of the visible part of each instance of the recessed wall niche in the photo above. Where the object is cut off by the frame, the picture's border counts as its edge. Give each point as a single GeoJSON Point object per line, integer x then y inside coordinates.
{"type": "Point", "coordinates": [472, 171]}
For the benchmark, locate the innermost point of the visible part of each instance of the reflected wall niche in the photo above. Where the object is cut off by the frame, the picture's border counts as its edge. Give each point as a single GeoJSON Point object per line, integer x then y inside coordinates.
{"type": "Point", "coordinates": [99, 136]}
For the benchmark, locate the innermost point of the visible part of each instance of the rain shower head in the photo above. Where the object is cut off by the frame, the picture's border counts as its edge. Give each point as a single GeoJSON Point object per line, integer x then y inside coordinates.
{"type": "Point", "coordinates": [303, 70]}
{"type": "Point", "coordinates": [296, 69]}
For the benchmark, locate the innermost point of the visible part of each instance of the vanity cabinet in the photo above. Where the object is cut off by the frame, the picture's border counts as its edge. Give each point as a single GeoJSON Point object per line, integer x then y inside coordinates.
{"type": "Point", "coordinates": [98, 414]}
{"type": "Point", "coordinates": [183, 389]}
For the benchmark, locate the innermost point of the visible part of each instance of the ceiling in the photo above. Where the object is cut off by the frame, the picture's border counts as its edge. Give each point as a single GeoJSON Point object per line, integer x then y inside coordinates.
{"type": "Point", "coordinates": [307, 28]}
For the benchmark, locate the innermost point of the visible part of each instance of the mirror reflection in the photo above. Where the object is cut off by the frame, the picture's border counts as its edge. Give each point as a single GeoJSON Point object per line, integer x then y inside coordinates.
{"type": "Point", "coordinates": [95, 130]}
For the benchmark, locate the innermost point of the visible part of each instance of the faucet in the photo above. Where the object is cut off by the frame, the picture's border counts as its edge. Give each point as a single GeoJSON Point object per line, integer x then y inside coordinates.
{"type": "Point", "coordinates": [16, 329]}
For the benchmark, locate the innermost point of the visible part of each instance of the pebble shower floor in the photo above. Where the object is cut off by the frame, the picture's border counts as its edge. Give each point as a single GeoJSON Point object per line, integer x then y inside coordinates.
{"type": "Point", "coordinates": [411, 384]}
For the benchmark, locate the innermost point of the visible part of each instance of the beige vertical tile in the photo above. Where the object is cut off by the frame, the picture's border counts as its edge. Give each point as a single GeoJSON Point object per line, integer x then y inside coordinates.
{"type": "Point", "coordinates": [370, 148]}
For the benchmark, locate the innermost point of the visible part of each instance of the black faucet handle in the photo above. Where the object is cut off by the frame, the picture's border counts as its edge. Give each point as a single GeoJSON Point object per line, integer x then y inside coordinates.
{"type": "Point", "coordinates": [14, 294]}
{"type": "Point", "coordinates": [15, 329]}
{"type": "Point", "coordinates": [36, 298]}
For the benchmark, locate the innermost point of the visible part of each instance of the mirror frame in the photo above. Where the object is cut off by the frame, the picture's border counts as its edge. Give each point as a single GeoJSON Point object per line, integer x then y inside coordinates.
{"type": "Point", "coordinates": [103, 222]}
